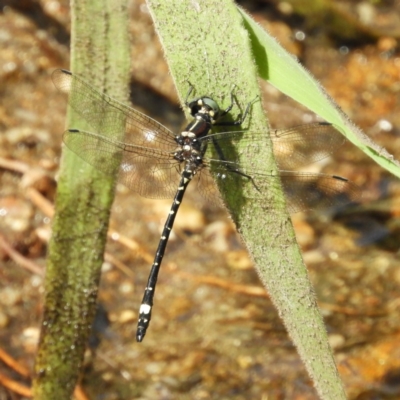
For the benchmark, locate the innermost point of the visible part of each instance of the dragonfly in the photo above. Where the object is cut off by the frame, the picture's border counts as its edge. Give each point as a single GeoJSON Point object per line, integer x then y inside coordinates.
{"type": "Point", "coordinates": [156, 163]}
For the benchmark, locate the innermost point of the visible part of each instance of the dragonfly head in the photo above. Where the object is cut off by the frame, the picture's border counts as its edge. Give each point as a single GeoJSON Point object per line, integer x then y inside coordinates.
{"type": "Point", "coordinates": [206, 108]}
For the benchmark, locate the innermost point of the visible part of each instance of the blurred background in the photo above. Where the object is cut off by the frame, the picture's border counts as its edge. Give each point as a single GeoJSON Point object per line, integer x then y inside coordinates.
{"type": "Point", "coordinates": [214, 332]}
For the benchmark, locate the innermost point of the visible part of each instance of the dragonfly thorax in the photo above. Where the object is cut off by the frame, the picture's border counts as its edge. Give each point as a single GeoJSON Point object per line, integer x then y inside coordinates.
{"type": "Point", "coordinates": [189, 150]}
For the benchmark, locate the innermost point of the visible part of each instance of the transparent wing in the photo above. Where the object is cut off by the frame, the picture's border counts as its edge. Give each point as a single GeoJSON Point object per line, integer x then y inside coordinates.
{"type": "Point", "coordinates": [307, 191]}
{"type": "Point", "coordinates": [293, 148]}
{"type": "Point", "coordinates": [305, 144]}
{"type": "Point", "coordinates": [152, 173]}
{"type": "Point", "coordinates": [304, 191]}
{"type": "Point", "coordinates": [104, 114]}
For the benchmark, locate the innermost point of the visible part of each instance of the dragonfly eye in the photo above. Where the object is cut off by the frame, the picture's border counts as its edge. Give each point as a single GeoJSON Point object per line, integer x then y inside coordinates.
{"type": "Point", "coordinates": [208, 105]}
{"type": "Point", "coordinates": [212, 107]}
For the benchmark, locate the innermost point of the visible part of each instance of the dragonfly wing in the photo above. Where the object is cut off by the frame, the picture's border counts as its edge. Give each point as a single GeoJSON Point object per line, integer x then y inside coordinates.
{"type": "Point", "coordinates": [150, 172]}
{"type": "Point", "coordinates": [305, 144]}
{"type": "Point", "coordinates": [309, 191]}
{"type": "Point", "coordinates": [105, 114]}
{"type": "Point", "coordinates": [293, 148]}
{"type": "Point", "coordinates": [303, 191]}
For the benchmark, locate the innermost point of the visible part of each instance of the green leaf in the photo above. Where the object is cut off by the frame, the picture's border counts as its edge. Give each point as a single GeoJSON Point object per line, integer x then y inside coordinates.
{"type": "Point", "coordinates": [100, 51]}
{"type": "Point", "coordinates": [282, 70]}
{"type": "Point", "coordinates": [206, 43]}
